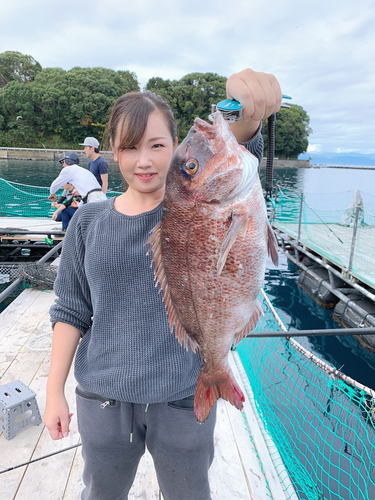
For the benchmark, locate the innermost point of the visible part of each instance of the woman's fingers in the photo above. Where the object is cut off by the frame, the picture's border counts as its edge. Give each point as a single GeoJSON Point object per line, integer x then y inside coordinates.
{"type": "Point", "coordinates": [259, 93]}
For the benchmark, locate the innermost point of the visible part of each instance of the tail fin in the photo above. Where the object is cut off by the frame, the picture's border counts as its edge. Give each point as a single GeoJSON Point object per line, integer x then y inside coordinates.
{"type": "Point", "coordinates": [208, 393]}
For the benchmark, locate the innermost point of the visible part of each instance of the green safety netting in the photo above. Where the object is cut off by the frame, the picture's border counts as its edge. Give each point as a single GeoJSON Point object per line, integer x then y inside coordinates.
{"type": "Point", "coordinates": [21, 200]}
{"type": "Point", "coordinates": [325, 223]}
{"type": "Point", "coordinates": [321, 422]}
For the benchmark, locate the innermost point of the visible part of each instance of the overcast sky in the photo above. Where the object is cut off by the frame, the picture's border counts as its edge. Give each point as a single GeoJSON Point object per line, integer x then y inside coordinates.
{"type": "Point", "coordinates": [322, 51]}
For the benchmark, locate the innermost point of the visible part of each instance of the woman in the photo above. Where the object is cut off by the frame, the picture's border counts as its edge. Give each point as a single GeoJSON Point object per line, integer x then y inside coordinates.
{"type": "Point", "coordinates": [135, 383]}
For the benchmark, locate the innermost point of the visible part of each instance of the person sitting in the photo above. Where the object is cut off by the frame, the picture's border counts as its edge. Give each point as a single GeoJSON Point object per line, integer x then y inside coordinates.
{"type": "Point", "coordinates": [66, 205]}
{"type": "Point", "coordinates": [83, 180]}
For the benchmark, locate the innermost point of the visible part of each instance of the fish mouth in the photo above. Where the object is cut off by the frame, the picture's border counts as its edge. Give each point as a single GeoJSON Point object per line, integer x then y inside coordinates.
{"type": "Point", "coordinates": [219, 127]}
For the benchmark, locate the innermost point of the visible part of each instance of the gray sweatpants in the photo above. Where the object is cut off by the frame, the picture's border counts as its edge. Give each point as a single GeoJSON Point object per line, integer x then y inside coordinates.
{"type": "Point", "coordinates": [114, 436]}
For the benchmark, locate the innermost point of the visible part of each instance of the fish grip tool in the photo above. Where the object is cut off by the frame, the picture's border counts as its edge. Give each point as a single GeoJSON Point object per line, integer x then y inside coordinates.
{"type": "Point", "coordinates": [231, 110]}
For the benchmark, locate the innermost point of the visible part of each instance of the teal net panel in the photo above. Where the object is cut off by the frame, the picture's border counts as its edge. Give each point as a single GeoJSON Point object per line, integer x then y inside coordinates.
{"type": "Point", "coordinates": [321, 422]}
{"type": "Point", "coordinates": [364, 250]}
{"type": "Point", "coordinates": [21, 200]}
{"type": "Point", "coordinates": [325, 224]}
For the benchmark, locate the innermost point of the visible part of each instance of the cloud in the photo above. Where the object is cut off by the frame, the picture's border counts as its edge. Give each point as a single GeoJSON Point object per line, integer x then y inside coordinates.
{"type": "Point", "coordinates": [321, 52]}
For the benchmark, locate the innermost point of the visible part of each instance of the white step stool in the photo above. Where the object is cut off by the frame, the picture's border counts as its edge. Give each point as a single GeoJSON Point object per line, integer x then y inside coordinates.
{"type": "Point", "coordinates": [18, 408]}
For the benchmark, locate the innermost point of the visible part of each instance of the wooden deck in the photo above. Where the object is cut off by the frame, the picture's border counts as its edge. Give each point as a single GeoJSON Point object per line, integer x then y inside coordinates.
{"type": "Point", "coordinates": [242, 468]}
{"type": "Point", "coordinates": [333, 243]}
{"type": "Point", "coordinates": [29, 224]}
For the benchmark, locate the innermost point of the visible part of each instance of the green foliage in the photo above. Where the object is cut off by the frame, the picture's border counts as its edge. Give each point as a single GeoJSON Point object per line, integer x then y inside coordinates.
{"type": "Point", "coordinates": [291, 132]}
{"type": "Point", "coordinates": [189, 97]}
{"type": "Point", "coordinates": [54, 108]}
{"type": "Point", "coordinates": [61, 107]}
{"type": "Point", "coordinates": [18, 67]}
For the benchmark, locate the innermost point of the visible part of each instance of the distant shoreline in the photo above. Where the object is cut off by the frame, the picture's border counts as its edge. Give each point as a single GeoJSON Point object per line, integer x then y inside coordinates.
{"type": "Point", "coordinates": [347, 167]}
{"type": "Point", "coordinates": [57, 154]}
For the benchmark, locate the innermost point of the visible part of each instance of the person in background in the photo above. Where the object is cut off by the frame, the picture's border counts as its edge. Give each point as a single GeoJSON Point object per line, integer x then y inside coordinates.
{"type": "Point", "coordinates": [83, 180]}
{"type": "Point", "coordinates": [66, 205]}
{"type": "Point", "coordinates": [97, 165]}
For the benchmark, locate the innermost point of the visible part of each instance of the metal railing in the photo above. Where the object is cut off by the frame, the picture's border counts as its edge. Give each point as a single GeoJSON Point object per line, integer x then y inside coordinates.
{"type": "Point", "coordinates": [18, 281]}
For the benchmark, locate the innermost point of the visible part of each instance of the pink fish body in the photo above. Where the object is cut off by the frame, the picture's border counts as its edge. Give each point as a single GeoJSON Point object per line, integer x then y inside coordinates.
{"type": "Point", "coordinates": [210, 252]}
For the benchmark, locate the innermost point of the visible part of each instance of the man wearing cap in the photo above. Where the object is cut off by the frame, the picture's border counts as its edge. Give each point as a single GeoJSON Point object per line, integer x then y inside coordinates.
{"type": "Point", "coordinates": [83, 180]}
{"type": "Point", "coordinates": [97, 166]}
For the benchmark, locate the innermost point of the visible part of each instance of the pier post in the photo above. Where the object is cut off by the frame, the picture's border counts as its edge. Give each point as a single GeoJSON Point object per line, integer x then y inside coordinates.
{"type": "Point", "coordinates": [354, 238]}
{"type": "Point", "coordinates": [300, 218]}
{"type": "Point", "coordinates": [276, 201]}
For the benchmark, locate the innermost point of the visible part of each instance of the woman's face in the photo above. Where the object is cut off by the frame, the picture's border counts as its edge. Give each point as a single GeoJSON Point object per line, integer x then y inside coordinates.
{"type": "Point", "coordinates": [145, 166]}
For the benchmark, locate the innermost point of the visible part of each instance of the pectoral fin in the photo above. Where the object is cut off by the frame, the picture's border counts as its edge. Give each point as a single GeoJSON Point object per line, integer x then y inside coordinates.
{"type": "Point", "coordinates": [238, 226]}
{"type": "Point", "coordinates": [272, 246]}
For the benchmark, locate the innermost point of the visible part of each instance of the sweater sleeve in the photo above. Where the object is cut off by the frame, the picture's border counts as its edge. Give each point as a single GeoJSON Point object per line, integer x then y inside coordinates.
{"type": "Point", "coordinates": [73, 305]}
{"type": "Point", "coordinates": [255, 145]}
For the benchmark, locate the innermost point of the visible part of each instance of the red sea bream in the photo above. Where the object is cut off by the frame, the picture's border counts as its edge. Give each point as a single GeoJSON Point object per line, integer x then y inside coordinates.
{"type": "Point", "coordinates": [210, 251]}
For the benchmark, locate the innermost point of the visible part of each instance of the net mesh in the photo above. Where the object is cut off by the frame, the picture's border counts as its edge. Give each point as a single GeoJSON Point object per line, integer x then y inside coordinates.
{"type": "Point", "coordinates": [321, 423]}
{"type": "Point", "coordinates": [325, 224]}
{"type": "Point", "coordinates": [38, 275]}
{"type": "Point", "coordinates": [21, 200]}
{"type": "Point", "coordinates": [8, 273]}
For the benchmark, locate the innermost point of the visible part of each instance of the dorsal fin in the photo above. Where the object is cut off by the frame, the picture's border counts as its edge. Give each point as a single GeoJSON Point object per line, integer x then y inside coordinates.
{"type": "Point", "coordinates": [160, 278]}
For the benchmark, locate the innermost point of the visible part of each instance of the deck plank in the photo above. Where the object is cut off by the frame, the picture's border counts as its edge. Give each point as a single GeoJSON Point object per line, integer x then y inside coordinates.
{"type": "Point", "coordinates": [333, 242]}
{"type": "Point", "coordinates": [18, 363]}
{"type": "Point", "coordinates": [54, 470]}
{"type": "Point", "coordinates": [29, 224]}
{"type": "Point", "coordinates": [11, 315]}
{"type": "Point", "coordinates": [227, 478]}
{"type": "Point", "coordinates": [17, 334]}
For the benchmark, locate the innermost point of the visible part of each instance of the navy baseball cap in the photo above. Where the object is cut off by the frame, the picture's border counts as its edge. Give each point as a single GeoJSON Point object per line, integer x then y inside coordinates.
{"type": "Point", "coordinates": [71, 158]}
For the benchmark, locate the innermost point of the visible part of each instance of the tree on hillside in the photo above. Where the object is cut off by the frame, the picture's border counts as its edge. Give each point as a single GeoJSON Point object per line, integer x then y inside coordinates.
{"type": "Point", "coordinates": [17, 67]}
{"type": "Point", "coordinates": [164, 88]}
{"type": "Point", "coordinates": [61, 108]}
{"type": "Point", "coordinates": [291, 132]}
{"type": "Point", "coordinates": [16, 115]}
{"type": "Point", "coordinates": [77, 103]}
{"type": "Point", "coordinates": [189, 97]}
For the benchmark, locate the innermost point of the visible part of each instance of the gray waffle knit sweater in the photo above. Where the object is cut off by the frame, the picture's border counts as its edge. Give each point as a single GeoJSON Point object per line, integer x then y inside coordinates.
{"type": "Point", "coordinates": [106, 289]}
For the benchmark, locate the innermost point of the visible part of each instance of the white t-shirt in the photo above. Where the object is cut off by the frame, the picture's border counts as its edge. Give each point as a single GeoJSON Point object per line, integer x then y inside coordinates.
{"type": "Point", "coordinates": [83, 180]}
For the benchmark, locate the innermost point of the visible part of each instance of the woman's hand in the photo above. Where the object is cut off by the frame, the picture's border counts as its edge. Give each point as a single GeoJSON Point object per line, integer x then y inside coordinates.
{"type": "Point", "coordinates": [57, 417]}
{"type": "Point", "coordinates": [55, 214]}
{"type": "Point", "coordinates": [260, 95]}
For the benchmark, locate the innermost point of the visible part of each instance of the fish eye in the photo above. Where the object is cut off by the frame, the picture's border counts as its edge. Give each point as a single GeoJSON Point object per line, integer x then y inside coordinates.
{"type": "Point", "coordinates": [191, 166]}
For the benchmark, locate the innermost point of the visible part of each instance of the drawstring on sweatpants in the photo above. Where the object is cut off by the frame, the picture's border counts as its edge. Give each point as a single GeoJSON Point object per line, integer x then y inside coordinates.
{"type": "Point", "coordinates": [132, 426]}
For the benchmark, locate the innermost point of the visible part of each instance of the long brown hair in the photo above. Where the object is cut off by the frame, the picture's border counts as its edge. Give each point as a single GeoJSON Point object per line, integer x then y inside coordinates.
{"type": "Point", "coordinates": [129, 117]}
